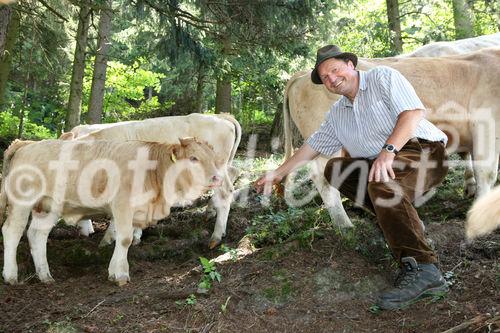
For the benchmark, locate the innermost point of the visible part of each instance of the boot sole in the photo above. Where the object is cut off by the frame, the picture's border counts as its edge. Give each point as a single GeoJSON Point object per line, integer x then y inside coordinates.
{"type": "Point", "coordinates": [426, 293]}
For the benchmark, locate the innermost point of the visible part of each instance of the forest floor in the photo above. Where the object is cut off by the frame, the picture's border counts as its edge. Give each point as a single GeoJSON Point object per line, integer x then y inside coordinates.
{"type": "Point", "coordinates": [282, 270]}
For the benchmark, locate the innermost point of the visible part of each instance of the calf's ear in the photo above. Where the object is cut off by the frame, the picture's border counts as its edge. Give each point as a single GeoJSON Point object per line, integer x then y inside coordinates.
{"type": "Point", "coordinates": [186, 141]}
{"type": "Point", "coordinates": [67, 136]}
{"type": "Point", "coordinates": [173, 156]}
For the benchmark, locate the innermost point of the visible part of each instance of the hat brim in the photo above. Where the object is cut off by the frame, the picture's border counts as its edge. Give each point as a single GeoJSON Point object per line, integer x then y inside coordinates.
{"type": "Point", "coordinates": [346, 55]}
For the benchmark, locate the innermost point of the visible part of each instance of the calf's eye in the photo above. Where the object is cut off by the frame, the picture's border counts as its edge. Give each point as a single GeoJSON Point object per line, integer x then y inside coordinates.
{"type": "Point", "coordinates": [193, 159]}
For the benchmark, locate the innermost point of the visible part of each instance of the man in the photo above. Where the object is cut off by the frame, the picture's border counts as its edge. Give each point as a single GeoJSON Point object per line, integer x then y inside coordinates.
{"type": "Point", "coordinates": [396, 156]}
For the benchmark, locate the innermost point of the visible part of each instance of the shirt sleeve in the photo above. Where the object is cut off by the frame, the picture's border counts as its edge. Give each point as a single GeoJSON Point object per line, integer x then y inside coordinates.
{"type": "Point", "coordinates": [325, 140]}
{"type": "Point", "coordinates": [398, 94]}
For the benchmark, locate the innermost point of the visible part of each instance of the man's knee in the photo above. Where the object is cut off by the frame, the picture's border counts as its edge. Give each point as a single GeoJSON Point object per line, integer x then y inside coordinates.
{"type": "Point", "coordinates": [385, 194]}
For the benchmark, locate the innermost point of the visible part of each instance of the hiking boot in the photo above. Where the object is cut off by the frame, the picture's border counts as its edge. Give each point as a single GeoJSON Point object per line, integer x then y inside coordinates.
{"type": "Point", "coordinates": [415, 281]}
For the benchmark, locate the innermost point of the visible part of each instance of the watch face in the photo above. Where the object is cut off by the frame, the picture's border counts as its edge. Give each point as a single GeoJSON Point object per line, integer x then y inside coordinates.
{"type": "Point", "coordinates": [390, 147]}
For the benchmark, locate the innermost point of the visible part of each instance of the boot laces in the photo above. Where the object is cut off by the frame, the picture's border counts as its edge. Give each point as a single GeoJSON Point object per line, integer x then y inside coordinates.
{"type": "Point", "coordinates": [406, 276]}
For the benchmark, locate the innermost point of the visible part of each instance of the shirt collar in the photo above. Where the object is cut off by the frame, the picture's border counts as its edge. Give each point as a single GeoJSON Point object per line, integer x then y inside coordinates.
{"type": "Point", "coordinates": [362, 80]}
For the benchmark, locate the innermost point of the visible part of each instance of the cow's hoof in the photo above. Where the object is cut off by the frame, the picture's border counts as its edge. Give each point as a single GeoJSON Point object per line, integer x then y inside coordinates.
{"type": "Point", "coordinates": [121, 280]}
{"type": "Point", "coordinates": [136, 241]}
{"type": "Point", "coordinates": [470, 191]}
{"type": "Point", "coordinates": [121, 283]}
{"type": "Point", "coordinates": [47, 279]}
{"type": "Point", "coordinates": [11, 281]}
{"type": "Point", "coordinates": [214, 242]}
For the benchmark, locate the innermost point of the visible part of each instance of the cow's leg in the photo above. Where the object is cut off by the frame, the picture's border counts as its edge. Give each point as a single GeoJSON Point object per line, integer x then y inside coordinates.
{"type": "Point", "coordinates": [486, 173]}
{"type": "Point", "coordinates": [233, 173]}
{"type": "Point", "coordinates": [484, 159]}
{"type": "Point", "coordinates": [118, 270]}
{"type": "Point", "coordinates": [222, 198]}
{"type": "Point", "coordinates": [110, 235]}
{"type": "Point", "coordinates": [329, 194]}
{"type": "Point", "coordinates": [12, 230]}
{"type": "Point", "coordinates": [137, 236]}
{"type": "Point", "coordinates": [38, 232]}
{"type": "Point", "coordinates": [86, 227]}
{"type": "Point", "coordinates": [469, 181]}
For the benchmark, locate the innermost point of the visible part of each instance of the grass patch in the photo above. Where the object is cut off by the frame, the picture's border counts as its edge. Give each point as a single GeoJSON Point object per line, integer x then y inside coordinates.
{"type": "Point", "coordinates": [281, 290]}
{"type": "Point", "coordinates": [276, 227]}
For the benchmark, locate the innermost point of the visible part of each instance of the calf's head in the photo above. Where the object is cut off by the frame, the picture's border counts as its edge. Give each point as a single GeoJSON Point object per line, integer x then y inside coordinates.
{"type": "Point", "coordinates": [198, 164]}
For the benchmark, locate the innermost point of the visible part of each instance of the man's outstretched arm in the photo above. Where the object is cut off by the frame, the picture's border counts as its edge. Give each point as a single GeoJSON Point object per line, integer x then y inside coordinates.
{"type": "Point", "coordinates": [305, 154]}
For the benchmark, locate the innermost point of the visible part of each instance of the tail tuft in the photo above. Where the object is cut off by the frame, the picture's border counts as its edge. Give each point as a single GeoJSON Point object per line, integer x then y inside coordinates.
{"type": "Point", "coordinates": [484, 216]}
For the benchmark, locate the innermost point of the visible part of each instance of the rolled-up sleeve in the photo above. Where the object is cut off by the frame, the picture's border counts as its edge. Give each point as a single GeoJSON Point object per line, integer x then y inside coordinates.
{"type": "Point", "coordinates": [325, 140]}
{"type": "Point", "coordinates": [398, 93]}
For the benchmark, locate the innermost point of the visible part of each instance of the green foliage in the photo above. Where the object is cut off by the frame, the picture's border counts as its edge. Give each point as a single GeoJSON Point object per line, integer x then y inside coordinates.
{"type": "Point", "coordinates": [64, 326]}
{"type": "Point", "coordinates": [124, 98]}
{"type": "Point", "coordinates": [223, 307]}
{"type": "Point", "coordinates": [285, 225]}
{"type": "Point", "coordinates": [232, 252]}
{"type": "Point", "coordinates": [210, 275]}
{"type": "Point", "coordinates": [281, 288]}
{"type": "Point", "coordinates": [9, 128]}
{"type": "Point", "coordinates": [375, 309]}
{"type": "Point", "coordinates": [259, 45]}
{"type": "Point", "coordinates": [190, 301]}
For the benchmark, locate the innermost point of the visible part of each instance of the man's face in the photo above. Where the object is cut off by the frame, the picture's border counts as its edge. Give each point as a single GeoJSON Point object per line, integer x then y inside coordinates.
{"type": "Point", "coordinates": [339, 77]}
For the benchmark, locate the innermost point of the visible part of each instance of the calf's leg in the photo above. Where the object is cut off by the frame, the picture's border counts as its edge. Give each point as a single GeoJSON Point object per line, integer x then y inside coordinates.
{"type": "Point", "coordinates": [38, 232]}
{"type": "Point", "coordinates": [222, 199]}
{"type": "Point", "coordinates": [86, 227]}
{"type": "Point", "coordinates": [12, 231]}
{"type": "Point", "coordinates": [118, 270]}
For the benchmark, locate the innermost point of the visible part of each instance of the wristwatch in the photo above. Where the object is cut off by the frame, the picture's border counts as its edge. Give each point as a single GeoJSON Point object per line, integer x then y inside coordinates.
{"type": "Point", "coordinates": [390, 148]}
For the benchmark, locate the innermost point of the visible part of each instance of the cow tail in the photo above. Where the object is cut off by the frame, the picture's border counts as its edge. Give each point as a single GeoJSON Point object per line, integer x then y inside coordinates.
{"type": "Point", "coordinates": [484, 216]}
{"type": "Point", "coordinates": [237, 132]}
{"type": "Point", "coordinates": [7, 157]}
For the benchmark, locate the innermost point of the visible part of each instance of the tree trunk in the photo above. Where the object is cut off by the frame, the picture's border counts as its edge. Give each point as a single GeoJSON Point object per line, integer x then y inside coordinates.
{"type": "Point", "coordinates": [277, 132]}
{"type": "Point", "coordinates": [9, 31]}
{"type": "Point", "coordinates": [462, 18]}
{"type": "Point", "coordinates": [25, 105]}
{"type": "Point", "coordinates": [199, 89]}
{"type": "Point", "coordinates": [76, 85]}
{"type": "Point", "coordinates": [100, 66]}
{"type": "Point", "coordinates": [223, 90]}
{"type": "Point", "coordinates": [394, 26]}
{"type": "Point", "coordinates": [223, 96]}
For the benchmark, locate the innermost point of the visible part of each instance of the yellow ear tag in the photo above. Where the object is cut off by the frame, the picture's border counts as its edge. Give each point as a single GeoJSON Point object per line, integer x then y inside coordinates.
{"type": "Point", "coordinates": [172, 157]}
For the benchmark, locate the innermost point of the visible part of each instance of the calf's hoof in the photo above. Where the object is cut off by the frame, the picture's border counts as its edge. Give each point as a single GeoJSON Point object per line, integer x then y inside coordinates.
{"type": "Point", "coordinates": [136, 241]}
{"type": "Point", "coordinates": [47, 279]}
{"type": "Point", "coordinates": [10, 281]}
{"type": "Point", "coordinates": [470, 191]}
{"type": "Point", "coordinates": [121, 280]}
{"type": "Point", "coordinates": [105, 242]}
{"type": "Point", "coordinates": [214, 242]}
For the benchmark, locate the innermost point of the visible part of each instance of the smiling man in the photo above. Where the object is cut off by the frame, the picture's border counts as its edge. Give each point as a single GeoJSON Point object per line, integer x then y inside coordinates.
{"type": "Point", "coordinates": [395, 157]}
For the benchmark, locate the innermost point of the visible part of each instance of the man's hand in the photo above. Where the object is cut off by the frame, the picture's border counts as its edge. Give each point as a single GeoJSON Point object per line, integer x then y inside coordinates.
{"type": "Point", "coordinates": [266, 182]}
{"type": "Point", "coordinates": [381, 169]}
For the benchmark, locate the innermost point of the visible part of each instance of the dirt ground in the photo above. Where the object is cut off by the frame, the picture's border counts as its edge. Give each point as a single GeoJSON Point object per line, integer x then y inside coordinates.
{"type": "Point", "coordinates": [326, 284]}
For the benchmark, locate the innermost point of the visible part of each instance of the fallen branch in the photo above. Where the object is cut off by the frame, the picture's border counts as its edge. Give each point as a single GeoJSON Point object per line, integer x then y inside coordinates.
{"type": "Point", "coordinates": [93, 309]}
{"type": "Point", "coordinates": [476, 323]}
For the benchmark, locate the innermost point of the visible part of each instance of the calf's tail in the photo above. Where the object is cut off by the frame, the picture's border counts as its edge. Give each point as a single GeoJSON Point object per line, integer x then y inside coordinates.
{"type": "Point", "coordinates": [484, 216]}
{"type": "Point", "coordinates": [7, 157]}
